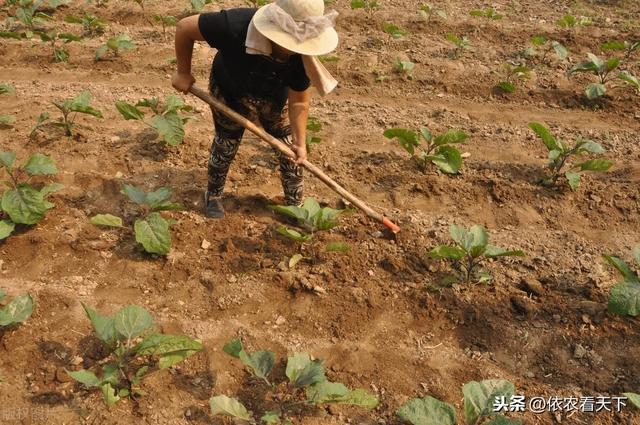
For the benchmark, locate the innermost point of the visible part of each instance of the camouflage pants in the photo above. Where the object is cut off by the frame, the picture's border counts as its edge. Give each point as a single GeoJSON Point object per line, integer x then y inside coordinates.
{"type": "Point", "coordinates": [274, 119]}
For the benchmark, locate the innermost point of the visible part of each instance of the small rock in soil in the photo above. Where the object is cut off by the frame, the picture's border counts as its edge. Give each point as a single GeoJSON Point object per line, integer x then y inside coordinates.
{"type": "Point", "coordinates": [62, 376]}
{"type": "Point", "coordinates": [591, 308]}
{"type": "Point", "coordinates": [579, 352]}
{"type": "Point", "coordinates": [532, 286]}
{"type": "Point", "coordinates": [521, 305]}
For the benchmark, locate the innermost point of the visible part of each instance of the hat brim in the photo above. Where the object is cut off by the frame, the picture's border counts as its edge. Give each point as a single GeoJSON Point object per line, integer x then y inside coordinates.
{"type": "Point", "coordinates": [324, 43]}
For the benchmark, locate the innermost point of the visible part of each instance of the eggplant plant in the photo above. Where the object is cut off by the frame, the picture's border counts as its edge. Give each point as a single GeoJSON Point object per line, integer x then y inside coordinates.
{"type": "Point", "coordinates": [624, 298]}
{"type": "Point", "coordinates": [403, 67]}
{"type": "Point", "coordinates": [166, 21]}
{"type": "Point", "coordinates": [15, 312]}
{"type": "Point", "coordinates": [570, 21]}
{"type": "Point", "coordinates": [314, 126]}
{"type": "Point", "coordinates": [151, 230]}
{"type": "Point", "coordinates": [437, 150]}
{"type": "Point", "coordinates": [369, 5]}
{"type": "Point", "coordinates": [54, 38]}
{"type": "Point", "coordinates": [70, 108]}
{"type": "Point", "coordinates": [394, 30]}
{"type": "Point", "coordinates": [21, 202]}
{"type": "Point", "coordinates": [471, 249]}
{"type": "Point", "coordinates": [166, 119]}
{"type": "Point", "coordinates": [26, 21]}
{"type": "Point", "coordinates": [427, 11]}
{"type": "Point", "coordinates": [311, 216]}
{"type": "Point", "coordinates": [91, 24]}
{"type": "Point", "coordinates": [511, 75]}
{"type": "Point", "coordinates": [489, 13]}
{"type": "Point", "coordinates": [198, 5]}
{"type": "Point", "coordinates": [628, 47]}
{"type": "Point", "coordinates": [115, 45]}
{"type": "Point", "coordinates": [306, 387]}
{"type": "Point", "coordinates": [603, 70]}
{"type": "Point", "coordinates": [480, 401]}
{"type": "Point", "coordinates": [461, 44]}
{"type": "Point", "coordinates": [135, 352]}
{"type": "Point", "coordinates": [562, 157]}
{"type": "Point", "coordinates": [540, 43]}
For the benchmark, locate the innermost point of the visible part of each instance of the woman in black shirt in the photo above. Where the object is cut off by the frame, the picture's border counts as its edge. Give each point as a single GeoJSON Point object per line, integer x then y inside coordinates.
{"type": "Point", "coordinates": [260, 67]}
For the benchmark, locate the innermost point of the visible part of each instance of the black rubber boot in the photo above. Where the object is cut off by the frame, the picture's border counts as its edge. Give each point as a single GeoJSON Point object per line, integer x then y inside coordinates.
{"type": "Point", "coordinates": [213, 207]}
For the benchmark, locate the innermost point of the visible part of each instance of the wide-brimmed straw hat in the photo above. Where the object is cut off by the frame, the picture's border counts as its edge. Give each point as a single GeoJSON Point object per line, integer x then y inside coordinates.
{"type": "Point", "coordinates": [298, 25]}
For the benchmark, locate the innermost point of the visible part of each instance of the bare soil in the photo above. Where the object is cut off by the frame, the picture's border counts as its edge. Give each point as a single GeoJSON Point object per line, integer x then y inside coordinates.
{"type": "Point", "coordinates": [377, 316]}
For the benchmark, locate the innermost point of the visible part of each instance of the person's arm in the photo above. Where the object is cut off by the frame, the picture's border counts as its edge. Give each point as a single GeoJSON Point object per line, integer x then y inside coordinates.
{"type": "Point", "coordinates": [187, 32]}
{"type": "Point", "coordinates": [298, 114]}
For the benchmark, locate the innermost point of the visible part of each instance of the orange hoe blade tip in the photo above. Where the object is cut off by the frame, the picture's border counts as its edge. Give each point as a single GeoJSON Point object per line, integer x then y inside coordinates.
{"type": "Point", "coordinates": [390, 225]}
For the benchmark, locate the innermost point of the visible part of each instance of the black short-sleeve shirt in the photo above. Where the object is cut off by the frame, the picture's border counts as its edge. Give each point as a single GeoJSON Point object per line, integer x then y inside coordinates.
{"type": "Point", "coordinates": [238, 73]}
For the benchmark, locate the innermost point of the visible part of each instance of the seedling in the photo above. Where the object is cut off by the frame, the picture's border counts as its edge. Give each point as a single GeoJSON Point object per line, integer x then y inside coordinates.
{"type": "Point", "coordinates": [471, 249]}
{"type": "Point", "coordinates": [166, 21]}
{"type": "Point", "coordinates": [136, 351]}
{"type": "Point", "coordinates": [562, 157]}
{"type": "Point", "coordinates": [512, 74]}
{"type": "Point", "coordinates": [427, 11]}
{"type": "Point", "coordinates": [313, 128]}
{"type": "Point", "coordinates": [369, 5]}
{"type": "Point", "coordinates": [91, 24]}
{"type": "Point", "coordinates": [489, 13]}
{"type": "Point", "coordinates": [141, 3]}
{"type": "Point", "coordinates": [70, 108]}
{"type": "Point", "coordinates": [437, 150]}
{"type": "Point", "coordinates": [628, 47]}
{"type": "Point", "coordinates": [394, 30]}
{"type": "Point", "coordinates": [403, 67]}
{"type": "Point", "coordinates": [481, 399]}
{"type": "Point", "coordinates": [151, 230]}
{"type": "Point", "coordinates": [21, 202]}
{"type": "Point", "coordinates": [41, 121]}
{"type": "Point", "coordinates": [7, 119]}
{"type": "Point", "coordinates": [115, 45]}
{"type": "Point", "coordinates": [28, 15]}
{"type": "Point", "coordinates": [570, 21]}
{"type": "Point", "coordinates": [166, 119]}
{"type": "Point", "coordinates": [603, 69]}
{"type": "Point", "coordinates": [461, 44]}
{"type": "Point", "coordinates": [307, 385]}
{"type": "Point", "coordinates": [198, 5]}
{"type": "Point", "coordinates": [547, 46]}
{"type": "Point", "coordinates": [60, 53]}
{"type": "Point", "coordinates": [7, 89]}
{"type": "Point", "coordinates": [18, 310]}
{"type": "Point", "coordinates": [624, 298]}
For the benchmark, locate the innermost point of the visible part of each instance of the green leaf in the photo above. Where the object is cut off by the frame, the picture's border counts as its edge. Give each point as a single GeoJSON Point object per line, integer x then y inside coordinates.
{"type": "Point", "coordinates": [560, 50]}
{"type": "Point", "coordinates": [134, 193]}
{"type": "Point", "coordinates": [85, 377]}
{"type": "Point", "coordinates": [6, 228]}
{"type": "Point", "coordinates": [447, 158]}
{"type": "Point", "coordinates": [260, 362]}
{"type": "Point", "coordinates": [301, 371]}
{"type": "Point", "coordinates": [626, 272]}
{"type": "Point", "coordinates": [110, 374]}
{"type": "Point", "coordinates": [38, 165]}
{"type": "Point", "coordinates": [271, 417]}
{"type": "Point", "coordinates": [590, 146]}
{"type": "Point", "coordinates": [100, 52]}
{"type": "Point", "coordinates": [633, 398]}
{"type": "Point", "coordinates": [157, 197]}
{"type": "Point", "coordinates": [104, 326]}
{"type": "Point", "coordinates": [7, 89]}
{"type": "Point", "coordinates": [507, 86]}
{"type": "Point", "coordinates": [223, 405]}
{"type": "Point", "coordinates": [174, 104]}
{"type": "Point", "coordinates": [17, 311]}
{"type": "Point", "coordinates": [106, 220]}
{"type": "Point", "coordinates": [154, 234]}
{"type": "Point", "coordinates": [128, 111]}
{"type": "Point", "coordinates": [450, 137]}
{"type": "Point", "coordinates": [170, 128]}
{"type": "Point", "coordinates": [624, 298]}
{"type": "Point", "coordinates": [546, 136]}
{"type": "Point", "coordinates": [337, 247]}
{"type": "Point", "coordinates": [446, 252]}
{"type": "Point", "coordinates": [408, 139]}
{"type": "Point", "coordinates": [494, 251]}
{"type": "Point", "coordinates": [627, 77]}
{"type": "Point", "coordinates": [7, 159]}
{"type": "Point", "coordinates": [573, 179]}
{"type": "Point", "coordinates": [109, 394]}
{"type": "Point", "coordinates": [171, 349]}
{"type": "Point", "coordinates": [131, 321]}
{"type": "Point", "coordinates": [335, 392]}
{"type": "Point", "coordinates": [426, 134]}
{"type": "Point", "coordinates": [427, 410]}
{"type": "Point", "coordinates": [313, 125]}
{"type": "Point", "coordinates": [233, 348]}
{"type": "Point", "coordinates": [480, 396]}
{"type": "Point", "coordinates": [51, 188]}
{"type": "Point", "coordinates": [293, 234]}
{"type": "Point", "coordinates": [25, 205]}
{"type": "Point", "coordinates": [594, 91]}
{"type": "Point", "coordinates": [460, 236]}
{"type": "Point", "coordinates": [595, 165]}
{"type": "Point", "coordinates": [614, 45]}
{"type": "Point", "coordinates": [7, 119]}
{"type": "Point", "coordinates": [393, 30]}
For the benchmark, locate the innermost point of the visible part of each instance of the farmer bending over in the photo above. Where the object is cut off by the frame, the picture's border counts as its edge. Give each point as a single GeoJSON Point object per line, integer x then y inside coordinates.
{"type": "Point", "coordinates": [264, 66]}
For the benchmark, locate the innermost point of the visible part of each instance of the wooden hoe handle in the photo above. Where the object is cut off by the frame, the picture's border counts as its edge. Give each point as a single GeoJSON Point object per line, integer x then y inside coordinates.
{"type": "Point", "coordinates": [277, 144]}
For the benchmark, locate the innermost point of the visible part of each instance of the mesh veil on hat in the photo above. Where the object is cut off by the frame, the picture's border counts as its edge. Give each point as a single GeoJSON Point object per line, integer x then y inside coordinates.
{"type": "Point", "coordinates": [298, 25]}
